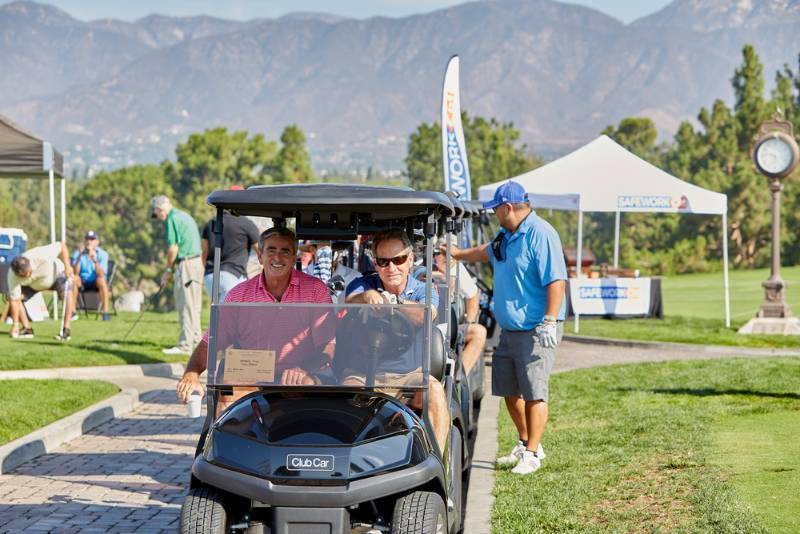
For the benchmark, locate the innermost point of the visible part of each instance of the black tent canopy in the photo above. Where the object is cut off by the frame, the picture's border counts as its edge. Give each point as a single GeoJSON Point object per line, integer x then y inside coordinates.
{"type": "Point", "coordinates": [23, 155]}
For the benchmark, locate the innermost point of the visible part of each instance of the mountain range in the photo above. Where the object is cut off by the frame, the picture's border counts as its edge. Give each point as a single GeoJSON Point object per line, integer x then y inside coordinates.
{"type": "Point", "coordinates": [110, 93]}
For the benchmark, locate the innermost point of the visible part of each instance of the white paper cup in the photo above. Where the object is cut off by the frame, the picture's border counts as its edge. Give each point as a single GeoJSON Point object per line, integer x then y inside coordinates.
{"type": "Point", "coordinates": [195, 405]}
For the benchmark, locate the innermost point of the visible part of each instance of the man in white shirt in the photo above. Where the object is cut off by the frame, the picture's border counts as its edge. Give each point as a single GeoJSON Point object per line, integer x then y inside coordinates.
{"type": "Point", "coordinates": [475, 336]}
{"type": "Point", "coordinates": [45, 268]}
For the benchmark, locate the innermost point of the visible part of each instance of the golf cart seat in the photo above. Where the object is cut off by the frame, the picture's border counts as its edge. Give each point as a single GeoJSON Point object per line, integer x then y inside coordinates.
{"type": "Point", "coordinates": [438, 354]}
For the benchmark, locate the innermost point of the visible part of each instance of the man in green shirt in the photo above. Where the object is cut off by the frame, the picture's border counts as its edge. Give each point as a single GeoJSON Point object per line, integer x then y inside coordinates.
{"type": "Point", "coordinates": [184, 263]}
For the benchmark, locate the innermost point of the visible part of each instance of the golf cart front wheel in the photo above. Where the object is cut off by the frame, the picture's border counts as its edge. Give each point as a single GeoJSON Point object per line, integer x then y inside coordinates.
{"type": "Point", "coordinates": [420, 512]}
{"type": "Point", "coordinates": [203, 511]}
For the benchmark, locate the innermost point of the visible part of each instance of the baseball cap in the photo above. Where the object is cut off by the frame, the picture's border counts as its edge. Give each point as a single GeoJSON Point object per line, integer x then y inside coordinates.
{"type": "Point", "coordinates": [508, 193]}
{"type": "Point", "coordinates": [156, 202]}
{"type": "Point", "coordinates": [91, 234]}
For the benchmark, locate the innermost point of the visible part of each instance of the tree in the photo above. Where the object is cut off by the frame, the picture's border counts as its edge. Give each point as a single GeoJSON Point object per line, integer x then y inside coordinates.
{"type": "Point", "coordinates": [116, 204]}
{"type": "Point", "coordinates": [293, 163]}
{"type": "Point", "coordinates": [216, 159]}
{"type": "Point", "coordinates": [493, 154]}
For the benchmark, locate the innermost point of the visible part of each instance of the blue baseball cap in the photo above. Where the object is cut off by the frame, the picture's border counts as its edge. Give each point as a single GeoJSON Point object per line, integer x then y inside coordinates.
{"type": "Point", "coordinates": [91, 234]}
{"type": "Point", "coordinates": [508, 193]}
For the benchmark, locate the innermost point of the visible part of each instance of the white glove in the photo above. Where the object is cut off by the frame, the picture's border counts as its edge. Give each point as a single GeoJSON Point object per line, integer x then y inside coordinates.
{"type": "Point", "coordinates": [548, 335]}
{"type": "Point", "coordinates": [390, 298]}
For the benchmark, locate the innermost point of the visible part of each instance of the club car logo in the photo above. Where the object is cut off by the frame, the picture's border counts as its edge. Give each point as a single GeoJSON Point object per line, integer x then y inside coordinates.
{"type": "Point", "coordinates": [309, 462]}
{"type": "Point", "coordinates": [653, 202]}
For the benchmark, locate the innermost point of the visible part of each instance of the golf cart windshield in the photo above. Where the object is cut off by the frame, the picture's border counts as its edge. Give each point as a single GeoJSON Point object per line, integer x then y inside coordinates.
{"type": "Point", "coordinates": [354, 346]}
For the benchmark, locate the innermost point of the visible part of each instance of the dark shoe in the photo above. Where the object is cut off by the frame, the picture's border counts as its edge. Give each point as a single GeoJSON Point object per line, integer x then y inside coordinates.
{"type": "Point", "coordinates": [106, 317]}
{"type": "Point", "coordinates": [65, 336]}
{"type": "Point", "coordinates": [25, 333]}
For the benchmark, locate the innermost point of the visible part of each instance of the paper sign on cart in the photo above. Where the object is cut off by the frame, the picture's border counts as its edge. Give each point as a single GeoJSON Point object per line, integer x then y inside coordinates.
{"type": "Point", "coordinates": [244, 366]}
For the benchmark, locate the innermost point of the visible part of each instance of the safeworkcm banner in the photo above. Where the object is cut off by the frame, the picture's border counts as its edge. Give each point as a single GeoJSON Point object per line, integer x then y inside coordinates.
{"type": "Point", "coordinates": [454, 149]}
{"type": "Point", "coordinates": [610, 296]}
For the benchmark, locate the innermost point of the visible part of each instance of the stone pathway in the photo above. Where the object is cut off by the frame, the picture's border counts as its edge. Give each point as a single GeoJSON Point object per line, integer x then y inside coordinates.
{"type": "Point", "coordinates": [130, 474]}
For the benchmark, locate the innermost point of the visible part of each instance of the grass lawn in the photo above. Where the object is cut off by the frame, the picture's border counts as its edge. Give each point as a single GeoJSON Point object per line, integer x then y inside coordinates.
{"type": "Point", "coordinates": [23, 407]}
{"type": "Point", "coordinates": [760, 456]}
{"type": "Point", "coordinates": [636, 448]}
{"type": "Point", "coordinates": [694, 311]}
{"type": "Point", "coordinates": [94, 343]}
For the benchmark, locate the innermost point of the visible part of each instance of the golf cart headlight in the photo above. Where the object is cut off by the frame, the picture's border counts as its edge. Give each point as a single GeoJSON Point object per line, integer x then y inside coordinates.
{"type": "Point", "coordinates": [381, 455]}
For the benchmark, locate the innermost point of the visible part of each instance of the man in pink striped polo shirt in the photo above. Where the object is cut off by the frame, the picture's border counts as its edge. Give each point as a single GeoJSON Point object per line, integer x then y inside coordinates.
{"type": "Point", "coordinates": [301, 349]}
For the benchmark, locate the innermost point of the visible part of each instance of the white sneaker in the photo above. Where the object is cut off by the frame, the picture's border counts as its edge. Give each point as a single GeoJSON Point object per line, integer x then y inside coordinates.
{"type": "Point", "coordinates": [516, 454]}
{"type": "Point", "coordinates": [527, 464]}
{"type": "Point", "coordinates": [172, 351]}
{"type": "Point", "coordinates": [513, 457]}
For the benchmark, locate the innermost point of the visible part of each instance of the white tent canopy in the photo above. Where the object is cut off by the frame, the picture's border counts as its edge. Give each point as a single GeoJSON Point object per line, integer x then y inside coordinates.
{"type": "Point", "coordinates": [605, 177]}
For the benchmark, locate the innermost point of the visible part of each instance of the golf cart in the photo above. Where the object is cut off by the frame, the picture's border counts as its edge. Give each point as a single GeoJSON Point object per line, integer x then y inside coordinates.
{"type": "Point", "coordinates": [355, 452]}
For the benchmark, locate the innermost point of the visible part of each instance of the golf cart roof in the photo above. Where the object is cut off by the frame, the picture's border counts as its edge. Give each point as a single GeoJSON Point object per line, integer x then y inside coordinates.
{"type": "Point", "coordinates": [335, 210]}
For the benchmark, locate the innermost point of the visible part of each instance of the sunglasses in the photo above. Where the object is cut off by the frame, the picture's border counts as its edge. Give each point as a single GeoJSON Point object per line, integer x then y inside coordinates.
{"type": "Point", "coordinates": [497, 247]}
{"type": "Point", "coordinates": [397, 260]}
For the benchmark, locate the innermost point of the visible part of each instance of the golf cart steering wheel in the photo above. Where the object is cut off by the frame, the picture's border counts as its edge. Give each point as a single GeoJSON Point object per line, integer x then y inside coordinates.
{"type": "Point", "coordinates": [384, 332]}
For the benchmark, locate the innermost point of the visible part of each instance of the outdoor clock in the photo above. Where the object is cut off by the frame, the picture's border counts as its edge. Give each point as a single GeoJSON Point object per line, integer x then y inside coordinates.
{"type": "Point", "coordinates": [775, 152]}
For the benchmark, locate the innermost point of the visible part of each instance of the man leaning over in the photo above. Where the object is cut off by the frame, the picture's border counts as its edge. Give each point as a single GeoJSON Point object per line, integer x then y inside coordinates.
{"type": "Point", "coordinates": [40, 269]}
{"type": "Point", "coordinates": [279, 282]}
{"type": "Point", "coordinates": [529, 281]}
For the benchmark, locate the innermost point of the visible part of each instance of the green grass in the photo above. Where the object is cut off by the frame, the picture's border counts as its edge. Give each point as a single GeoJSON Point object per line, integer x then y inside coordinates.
{"type": "Point", "coordinates": [631, 449]}
{"type": "Point", "coordinates": [680, 330]}
{"type": "Point", "coordinates": [760, 456]}
{"type": "Point", "coordinates": [694, 312]}
{"type": "Point", "coordinates": [701, 295]}
{"type": "Point", "coordinates": [93, 343]}
{"type": "Point", "coordinates": [26, 405]}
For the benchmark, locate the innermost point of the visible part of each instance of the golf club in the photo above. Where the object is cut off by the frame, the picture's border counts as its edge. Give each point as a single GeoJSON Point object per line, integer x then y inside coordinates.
{"type": "Point", "coordinates": [67, 294]}
{"type": "Point", "coordinates": [144, 309]}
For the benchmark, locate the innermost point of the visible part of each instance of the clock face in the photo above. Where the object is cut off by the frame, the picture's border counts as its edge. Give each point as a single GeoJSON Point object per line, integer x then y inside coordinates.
{"type": "Point", "coordinates": [774, 155]}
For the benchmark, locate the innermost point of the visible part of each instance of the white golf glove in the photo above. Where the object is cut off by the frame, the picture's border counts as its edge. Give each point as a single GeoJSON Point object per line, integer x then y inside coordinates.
{"type": "Point", "coordinates": [390, 298]}
{"type": "Point", "coordinates": [548, 335]}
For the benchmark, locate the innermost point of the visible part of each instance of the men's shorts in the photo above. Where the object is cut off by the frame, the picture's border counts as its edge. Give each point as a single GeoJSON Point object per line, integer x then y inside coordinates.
{"type": "Point", "coordinates": [91, 285]}
{"type": "Point", "coordinates": [396, 380]}
{"type": "Point", "coordinates": [521, 366]}
{"type": "Point", "coordinates": [59, 286]}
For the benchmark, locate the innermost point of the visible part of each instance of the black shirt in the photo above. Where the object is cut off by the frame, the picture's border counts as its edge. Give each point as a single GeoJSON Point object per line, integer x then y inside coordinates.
{"type": "Point", "coordinates": [239, 234]}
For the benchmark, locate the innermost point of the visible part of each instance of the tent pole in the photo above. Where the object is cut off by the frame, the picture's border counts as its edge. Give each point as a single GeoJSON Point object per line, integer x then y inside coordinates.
{"type": "Point", "coordinates": [63, 210]}
{"type": "Point", "coordinates": [578, 264]}
{"type": "Point", "coordinates": [725, 270]}
{"type": "Point", "coordinates": [616, 239]}
{"type": "Point", "coordinates": [52, 187]}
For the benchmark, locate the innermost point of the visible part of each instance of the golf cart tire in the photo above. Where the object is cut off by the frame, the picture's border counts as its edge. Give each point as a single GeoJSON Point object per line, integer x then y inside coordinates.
{"type": "Point", "coordinates": [419, 512]}
{"type": "Point", "coordinates": [203, 511]}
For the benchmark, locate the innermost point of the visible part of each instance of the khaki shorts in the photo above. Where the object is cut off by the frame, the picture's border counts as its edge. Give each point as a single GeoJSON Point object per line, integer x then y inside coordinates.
{"type": "Point", "coordinates": [392, 382]}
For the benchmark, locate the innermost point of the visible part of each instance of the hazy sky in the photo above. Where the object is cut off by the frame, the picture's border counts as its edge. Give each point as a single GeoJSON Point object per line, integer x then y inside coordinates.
{"type": "Point", "coordinates": [625, 10]}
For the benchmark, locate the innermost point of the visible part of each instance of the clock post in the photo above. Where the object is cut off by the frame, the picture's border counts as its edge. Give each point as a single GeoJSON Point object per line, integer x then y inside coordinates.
{"type": "Point", "coordinates": [775, 154]}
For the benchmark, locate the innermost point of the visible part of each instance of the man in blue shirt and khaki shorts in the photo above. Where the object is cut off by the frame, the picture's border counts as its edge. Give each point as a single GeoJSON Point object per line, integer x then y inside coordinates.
{"type": "Point", "coordinates": [529, 282]}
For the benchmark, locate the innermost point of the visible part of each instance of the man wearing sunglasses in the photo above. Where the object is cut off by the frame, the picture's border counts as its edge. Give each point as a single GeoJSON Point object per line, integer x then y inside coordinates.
{"type": "Point", "coordinates": [393, 284]}
{"type": "Point", "coordinates": [529, 282]}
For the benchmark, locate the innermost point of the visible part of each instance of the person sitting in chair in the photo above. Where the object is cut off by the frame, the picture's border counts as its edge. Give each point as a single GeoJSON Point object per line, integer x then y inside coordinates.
{"type": "Point", "coordinates": [392, 283]}
{"type": "Point", "coordinates": [90, 263]}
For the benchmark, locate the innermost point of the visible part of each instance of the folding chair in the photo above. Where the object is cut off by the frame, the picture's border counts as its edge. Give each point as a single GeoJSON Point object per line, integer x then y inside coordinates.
{"type": "Point", "coordinates": [89, 299]}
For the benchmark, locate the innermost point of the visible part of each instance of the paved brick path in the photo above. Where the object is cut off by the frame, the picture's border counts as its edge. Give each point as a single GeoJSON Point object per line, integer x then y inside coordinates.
{"type": "Point", "coordinates": [127, 475]}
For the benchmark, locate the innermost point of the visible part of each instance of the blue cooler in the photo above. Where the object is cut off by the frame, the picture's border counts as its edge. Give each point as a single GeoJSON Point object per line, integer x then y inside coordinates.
{"type": "Point", "coordinates": [12, 243]}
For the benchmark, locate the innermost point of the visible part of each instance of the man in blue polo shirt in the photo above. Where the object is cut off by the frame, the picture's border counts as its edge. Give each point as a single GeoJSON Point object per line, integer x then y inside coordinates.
{"type": "Point", "coordinates": [529, 282]}
{"type": "Point", "coordinates": [393, 284]}
{"type": "Point", "coordinates": [90, 264]}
